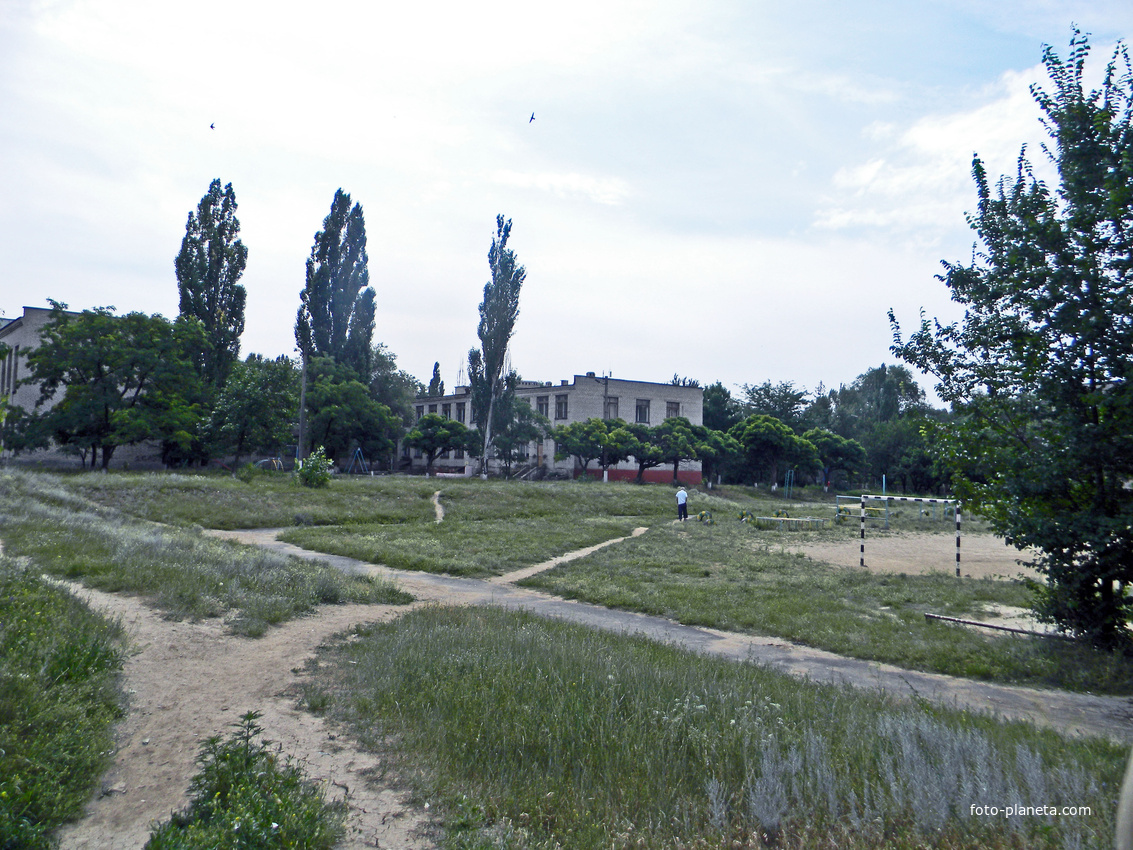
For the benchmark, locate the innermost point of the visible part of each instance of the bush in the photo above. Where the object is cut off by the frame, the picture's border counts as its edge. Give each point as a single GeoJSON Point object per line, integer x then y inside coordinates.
{"type": "Point", "coordinates": [315, 470]}
{"type": "Point", "coordinates": [246, 797]}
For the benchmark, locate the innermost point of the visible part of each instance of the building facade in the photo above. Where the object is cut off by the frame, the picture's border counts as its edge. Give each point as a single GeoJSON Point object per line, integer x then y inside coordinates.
{"type": "Point", "coordinates": [588, 396]}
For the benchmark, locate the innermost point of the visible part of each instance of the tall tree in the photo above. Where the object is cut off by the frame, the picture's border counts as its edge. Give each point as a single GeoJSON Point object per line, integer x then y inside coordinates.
{"type": "Point", "coordinates": [208, 267]}
{"type": "Point", "coordinates": [336, 314]}
{"type": "Point", "coordinates": [1039, 369]}
{"type": "Point", "coordinates": [498, 312]}
{"type": "Point", "coordinates": [393, 387]}
{"type": "Point", "coordinates": [436, 385]}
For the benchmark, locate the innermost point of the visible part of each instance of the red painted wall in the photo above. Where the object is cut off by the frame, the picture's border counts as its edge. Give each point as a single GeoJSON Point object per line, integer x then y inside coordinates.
{"type": "Point", "coordinates": [656, 475]}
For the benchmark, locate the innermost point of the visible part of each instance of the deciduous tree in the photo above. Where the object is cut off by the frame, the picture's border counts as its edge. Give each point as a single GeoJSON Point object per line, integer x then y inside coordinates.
{"type": "Point", "coordinates": [208, 268]}
{"type": "Point", "coordinates": [256, 408]}
{"type": "Point", "coordinates": [124, 379]}
{"type": "Point", "coordinates": [1039, 369]}
{"type": "Point", "coordinates": [498, 312]}
{"type": "Point", "coordinates": [336, 314]}
{"type": "Point", "coordinates": [434, 434]}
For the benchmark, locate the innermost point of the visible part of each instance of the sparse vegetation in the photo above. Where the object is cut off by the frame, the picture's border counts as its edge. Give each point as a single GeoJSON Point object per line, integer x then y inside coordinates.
{"type": "Point", "coordinates": [185, 573]}
{"type": "Point", "coordinates": [733, 576]}
{"type": "Point", "coordinates": [540, 734]}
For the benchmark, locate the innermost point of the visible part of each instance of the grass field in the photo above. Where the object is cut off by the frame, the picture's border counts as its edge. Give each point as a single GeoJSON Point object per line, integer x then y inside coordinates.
{"type": "Point", "coordinates": [729, 575]}
{"type": "Point", "coordinates": [531, 733]}
{"type": "Point", "coordinates": [536, 734]}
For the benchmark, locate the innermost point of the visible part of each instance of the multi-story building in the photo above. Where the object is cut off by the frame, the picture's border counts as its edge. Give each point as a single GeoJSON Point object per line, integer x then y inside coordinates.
{"type": "Point", "coordinates": [585, 397]}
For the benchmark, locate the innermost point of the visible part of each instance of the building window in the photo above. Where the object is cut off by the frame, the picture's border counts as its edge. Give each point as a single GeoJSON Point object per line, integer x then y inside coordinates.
{"type": "Point", "coordinates": [420, 411]}
{"type": "Point", "coordinates": [541, 405]}
{"type": "Point", "coordinates": [458, 454]}
{"type": "Point", "coordinates": [444, 455]}
{"type": "Point", "coordinates": [432, 408]}
{"type": "Point", "coordinates": [672, 408]}
{"type": "Point", "coordinates": [642, 410]}
{"type": "Point", "coordinates": [460, 411]}
{"type": "Point", "coordinates": [561, 406]}
{"type": "Point", "coordinates": [418, 453]}
{"type": "Point", "coordinates": [446, 411]}
{"type": "Point", "coordinates": [611, 407]}
{"type": "Point", "coordinates": [524, 451]}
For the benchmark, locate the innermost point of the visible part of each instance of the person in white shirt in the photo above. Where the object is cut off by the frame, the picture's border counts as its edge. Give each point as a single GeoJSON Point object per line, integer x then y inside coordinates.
{"type": "Point", "coordinates": [682, 504]}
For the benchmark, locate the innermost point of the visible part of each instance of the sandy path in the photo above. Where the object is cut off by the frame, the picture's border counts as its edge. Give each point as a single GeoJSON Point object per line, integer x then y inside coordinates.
{"type": "Point", "coordinates": [188, 681]}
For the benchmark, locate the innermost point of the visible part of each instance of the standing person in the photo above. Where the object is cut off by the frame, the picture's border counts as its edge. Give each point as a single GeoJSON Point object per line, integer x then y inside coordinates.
{"type": "Point", "coordinates": [682, 505]}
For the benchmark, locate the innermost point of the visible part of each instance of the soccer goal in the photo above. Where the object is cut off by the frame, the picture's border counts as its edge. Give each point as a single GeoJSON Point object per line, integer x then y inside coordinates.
{"type": "Point", "coordinates": [952, 502]}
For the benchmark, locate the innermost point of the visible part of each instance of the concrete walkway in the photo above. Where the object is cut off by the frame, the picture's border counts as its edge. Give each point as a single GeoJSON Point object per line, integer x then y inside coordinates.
{"type": "Point", "coordinates": [1083, 714]}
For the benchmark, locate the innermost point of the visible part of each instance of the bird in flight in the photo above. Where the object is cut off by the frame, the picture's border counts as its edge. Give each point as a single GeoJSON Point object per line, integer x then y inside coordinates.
{"type": "Point", "coordinates": [212, 126]}
{"type": "Point", "coordinates": [532, 118]}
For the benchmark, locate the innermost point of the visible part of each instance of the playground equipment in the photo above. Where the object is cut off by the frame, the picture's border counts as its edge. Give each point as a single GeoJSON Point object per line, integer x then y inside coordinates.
{"type": "Point", "coordinates": [956, 507]}
{"type": "Point", "coordinates": [358, 461]}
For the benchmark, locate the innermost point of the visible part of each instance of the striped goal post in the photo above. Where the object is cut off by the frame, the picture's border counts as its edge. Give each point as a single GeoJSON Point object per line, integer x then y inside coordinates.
{"type": "Point", "coordinates": [912, 499]}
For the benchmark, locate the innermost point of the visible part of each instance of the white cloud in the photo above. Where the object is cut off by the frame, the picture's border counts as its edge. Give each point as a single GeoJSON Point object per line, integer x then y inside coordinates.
{"type": "Point", "coordinates": [600, 190]}
{"type": "Point", "coordinates": [922, 182]}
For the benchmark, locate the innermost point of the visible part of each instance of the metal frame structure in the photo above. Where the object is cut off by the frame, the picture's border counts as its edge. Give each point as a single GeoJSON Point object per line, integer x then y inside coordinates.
{"type": "Point", "coordinates": [955, 502]}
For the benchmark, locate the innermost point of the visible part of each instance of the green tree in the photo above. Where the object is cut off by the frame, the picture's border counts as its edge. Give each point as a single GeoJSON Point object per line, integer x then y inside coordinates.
{"type": "Point", "coordinates": [124, 379]}
{"type": "Point", "coordinates": [716, 450]}
{"type": "Point", "coordinates": [783, 401]}
{"type": "Point", "coordinates": [582, 440]}
{"type": "Point", "coordinates": [393, 387]}
{"type": "Point", "coordinates": [436, 385]}
{"type": "Point", "coordinates": [498, 312]}
{"type": "Point", "coordinates": [256, 408]}
{"type": "Point", "coordinates": [434, 434]}
{"type": "Point", "coordinates": [643, 448]}
{"type": "Point", "coordinates": [1039, 369]}
{"type": "Point", "coordinates": [208, 268]}
{"type": "Point", "coordinates": [343, 416]}
{"type": "Point", "coordinates": [836, 453]}
{"type": "Point", "coordinates": [517, 426]}
{"type": "Point", "coordinates": [676, 441]}
{"type": "Point", "coordinates": [721, 411]}
{"type": "Point", "coordinates": [336, 314]}
{"type": "Point", "coordinates": [769, 446]}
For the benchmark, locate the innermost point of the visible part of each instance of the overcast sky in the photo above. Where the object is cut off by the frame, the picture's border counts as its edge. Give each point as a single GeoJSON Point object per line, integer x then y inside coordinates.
{"type": "Point", "coordinates": [733, 191]}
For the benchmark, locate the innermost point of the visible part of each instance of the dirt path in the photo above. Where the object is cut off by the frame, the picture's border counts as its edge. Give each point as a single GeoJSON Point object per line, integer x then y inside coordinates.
{"type": "Point", "coordinates": [188, 681]}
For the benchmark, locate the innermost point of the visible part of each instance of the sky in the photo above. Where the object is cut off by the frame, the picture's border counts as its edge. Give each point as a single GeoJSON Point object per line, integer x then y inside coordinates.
{"type": "Point", "coordinates": [728, 191]}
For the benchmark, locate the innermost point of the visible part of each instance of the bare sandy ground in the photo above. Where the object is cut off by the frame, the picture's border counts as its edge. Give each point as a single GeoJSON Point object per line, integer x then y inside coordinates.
{"type": "Point", "coordinates": [981, 555]}
{"type": "Point", "coordinates": [188, 681]}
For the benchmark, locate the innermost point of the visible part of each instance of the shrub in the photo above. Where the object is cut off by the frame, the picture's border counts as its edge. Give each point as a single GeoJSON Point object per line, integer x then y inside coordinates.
{"type": "Point", "coordinates": [247, 797]}
{"type": "Point", "coordinates": [315, 470]}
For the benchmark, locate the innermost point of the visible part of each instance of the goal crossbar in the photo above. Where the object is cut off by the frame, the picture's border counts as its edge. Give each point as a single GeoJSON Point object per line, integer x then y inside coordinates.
{"type": "Point", "coordinates": [955, 502]}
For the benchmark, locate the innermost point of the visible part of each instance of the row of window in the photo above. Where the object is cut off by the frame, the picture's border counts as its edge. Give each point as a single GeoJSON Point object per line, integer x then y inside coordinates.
{"type": "Point", "coordinates": [543, 404]}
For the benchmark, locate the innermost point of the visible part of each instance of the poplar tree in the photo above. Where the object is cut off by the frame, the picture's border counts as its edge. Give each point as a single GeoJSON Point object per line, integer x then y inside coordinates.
{"type": "Point", "coordinates": [336, 313]}
{"type": "Point", "coordinates": [208, 268]}
{"type": "Point", "coordinates": [498, 312]}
